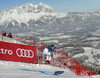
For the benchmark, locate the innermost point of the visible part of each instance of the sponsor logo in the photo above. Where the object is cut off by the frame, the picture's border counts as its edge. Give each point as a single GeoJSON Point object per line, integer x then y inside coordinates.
{"type": "Point", "coordinates": [24, 53]}
{"type": "Point", "coordinates": [5, 51]}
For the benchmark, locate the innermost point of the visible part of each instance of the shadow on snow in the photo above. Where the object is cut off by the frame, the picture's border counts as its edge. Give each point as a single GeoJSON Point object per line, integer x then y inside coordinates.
{"type": "Point", "coordinates": [45, 72]}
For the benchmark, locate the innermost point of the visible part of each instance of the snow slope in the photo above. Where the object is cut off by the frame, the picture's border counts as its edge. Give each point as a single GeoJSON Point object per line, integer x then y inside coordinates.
{"type": "Point", "coordinates": [28, 70]}
{"type": "Point", "coordinates": [90, 52]}
{"type": "Point", "coordinates": [9, 69]}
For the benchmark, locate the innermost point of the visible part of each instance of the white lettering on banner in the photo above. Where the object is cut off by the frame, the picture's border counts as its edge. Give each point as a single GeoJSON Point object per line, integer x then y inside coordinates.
{"type": "Point", "coordinates": [4, 51]}
{"type": "Point", "coordinates": [24, 53]}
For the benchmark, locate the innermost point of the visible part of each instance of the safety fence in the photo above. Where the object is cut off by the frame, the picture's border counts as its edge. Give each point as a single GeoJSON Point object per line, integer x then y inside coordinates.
{"type": "Point", "coordinates": [59, 59]}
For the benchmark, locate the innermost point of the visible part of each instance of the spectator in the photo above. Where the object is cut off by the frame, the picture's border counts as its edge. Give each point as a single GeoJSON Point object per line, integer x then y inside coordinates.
{"type": "Point", "coordinates": [4, 34]}
{"type": "Point", "coordinates": [9, 35]}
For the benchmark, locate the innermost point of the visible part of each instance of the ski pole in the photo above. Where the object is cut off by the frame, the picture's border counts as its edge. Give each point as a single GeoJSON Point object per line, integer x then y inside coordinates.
{"type": "Point", "coordinates": [46, 41]}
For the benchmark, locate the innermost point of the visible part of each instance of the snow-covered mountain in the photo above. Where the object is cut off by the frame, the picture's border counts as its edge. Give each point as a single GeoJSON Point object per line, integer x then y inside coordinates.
{"type": "Point", "coordinates": [24, 13]}
{"type": "Point", "coordinates": [27, 17]}
{"type": "Point", "coordinates": [42, 20]}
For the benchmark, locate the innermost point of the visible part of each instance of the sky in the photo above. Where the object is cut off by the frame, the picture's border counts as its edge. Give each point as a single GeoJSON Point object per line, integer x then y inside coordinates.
{"type": "Point", "coordinates": [60, 6]}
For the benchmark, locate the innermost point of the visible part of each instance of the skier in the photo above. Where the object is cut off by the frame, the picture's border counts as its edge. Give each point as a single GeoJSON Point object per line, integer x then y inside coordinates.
{"type": "Point", "coordinates": [48, 52]}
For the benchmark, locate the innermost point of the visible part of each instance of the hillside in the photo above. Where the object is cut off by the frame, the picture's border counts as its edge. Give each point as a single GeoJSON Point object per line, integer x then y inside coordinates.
{"type": "Point", "coordinates": [10, 69]}
{"type": "Point", "coordinates": [23, 70]}
{"type": "Point", "coordinates": [40, 21]}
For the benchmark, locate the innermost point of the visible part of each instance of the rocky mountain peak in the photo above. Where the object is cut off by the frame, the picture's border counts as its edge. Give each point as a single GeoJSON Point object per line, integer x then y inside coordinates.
{"type": "Point", "coordinates": [29, 7]}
